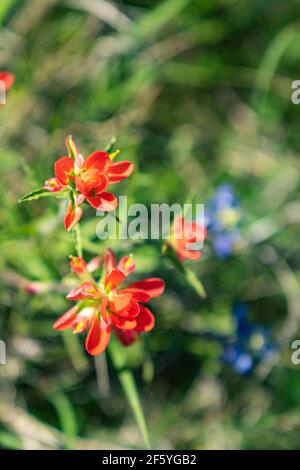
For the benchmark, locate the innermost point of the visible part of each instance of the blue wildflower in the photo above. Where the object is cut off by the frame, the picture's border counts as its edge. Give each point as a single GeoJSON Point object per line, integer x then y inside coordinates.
{"type": "Point", "coordinates": [251, 345]}
{"type": "Point", "coordinates": [221, 218]}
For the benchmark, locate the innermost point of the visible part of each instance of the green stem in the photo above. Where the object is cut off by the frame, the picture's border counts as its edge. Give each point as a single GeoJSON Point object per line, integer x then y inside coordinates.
{"type": "Point", "coordinates": [188, 274]}
{"type": "Point", "coordinates": [78, 242]}
{"type": "Point", "coordinates": [129, 387]}
{"type": "Point", "coordinates": [110, 144]}
{"type": "Point", "coordinates": [102, 375]}
{"type": "Point", "coordinates": [193, 280]}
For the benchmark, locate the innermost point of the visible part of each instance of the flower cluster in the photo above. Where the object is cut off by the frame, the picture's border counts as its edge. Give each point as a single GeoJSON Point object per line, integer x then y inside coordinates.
{"type": "Point", "coordinates": [87, 180]}
{"type": "Point", "coordinates": [104, 307]}
{"type": "Point", "coordinates": [222, 217]}
{"type": "Point", "coordinates": [252, 344]}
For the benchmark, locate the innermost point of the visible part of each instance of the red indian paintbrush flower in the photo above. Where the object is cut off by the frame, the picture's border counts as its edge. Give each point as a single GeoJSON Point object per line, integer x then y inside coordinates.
{"type": "Point", "coordinates": [7, 78]}
{"type": "Point", "coordinates": [104, 307]}
{"type": "Point", "coordinates": [184, 235]}
{"type": "Point", "coordinates": [87, 179]}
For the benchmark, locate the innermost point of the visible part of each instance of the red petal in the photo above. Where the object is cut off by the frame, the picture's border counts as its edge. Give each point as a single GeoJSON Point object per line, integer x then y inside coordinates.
{"type": "Point", "coordinates": [103, 202]}
{"type": "Point", "coordinates": [91, 183]}
{"type": "Point", "coordinates": [124, 323]}
{"type": "Point", "coordinates": [126, 337]}
{"type": "Point", "coordinates": [62, 169]}
{"type": "Point", "coordinates": [99, 160]}
{"type": "Point", "coordinates": [137, 295]}
{"type": "Point", "coordinates": [98, 337]}
{"type": "Point", "coordinates": [87, 290]}
{"type": "Point", "coordinates": [103, 310]}
{"type": "Point", "coordinates": [113, 279]}
{"type": "Point", "coordinates": [145, 320]}
{"type": "Point", "coordinates": [126, 265]}
{"type": "Point", "coordinates": [8, 79]}
{"type": "Point", "coordinates": [73, 215]}
{"type": "Point", "coordinates": [94, 264]}
{"type": "Point", "coordinates": [78, 265]}
{"type": "Point", "coordinates": [66, 320]}
{"type": "Point", "coordinates": [110, 260]}
{"type": "Point", "coordinates": [120, 302]}
{"type": "Point", "coordinates": [183, 254]}
{"type": "Point", "coordinates": [109, 202]}
{"type": "Point", "coordinates": [188, 231]}
{"type": "Point", "coordinates": [83, 319]}
{"type": "Point", "coordinates": [153, 287]}
{"type": "Point", "coordinates": [132, 311]}
{"type": "Point", "coordinates": [119, 171]}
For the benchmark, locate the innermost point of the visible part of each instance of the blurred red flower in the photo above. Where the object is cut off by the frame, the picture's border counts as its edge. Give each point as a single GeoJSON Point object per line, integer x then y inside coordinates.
{"type": "Point", "coordinates": [104, 307]}
{"type": "Point", "coordinates": [184, 235]}
{"type": "Point", "coordinates": [7, 78]}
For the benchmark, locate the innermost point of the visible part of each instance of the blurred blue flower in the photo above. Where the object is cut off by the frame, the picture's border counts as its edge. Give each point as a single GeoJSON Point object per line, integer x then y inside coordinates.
{"type": "Point", "coordinates": [251, 345]}
{"type": "Point", "coordinates": [221, 219]}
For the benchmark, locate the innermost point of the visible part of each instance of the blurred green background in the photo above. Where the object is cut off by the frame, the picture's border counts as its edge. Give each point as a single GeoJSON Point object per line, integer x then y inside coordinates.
{"type": "Point", "coordinates": [197, 93]}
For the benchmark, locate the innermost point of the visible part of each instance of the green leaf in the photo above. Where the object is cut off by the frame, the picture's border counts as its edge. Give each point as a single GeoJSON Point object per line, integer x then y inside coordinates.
{"type": "Point", "coordinates": [5, 7]}
{"type": "Point", "coordinates": [270, 62]}
{"type": "Point", "coordinates": [41, 192]}
{"type": "Point", "coordinates": [9, 441]}
{"type": "Point", "coordinates": [66, 416]}
{"type": "Point", "coordinates": [158, 17]}
{"type": "Point", "coordinates": [129, 387]}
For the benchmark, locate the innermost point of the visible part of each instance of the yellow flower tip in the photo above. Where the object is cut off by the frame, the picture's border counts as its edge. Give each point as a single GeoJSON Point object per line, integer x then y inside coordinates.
{"type": "Point", "coordinates": [71, 146]}
{"type": "Point", "coordinates": [129, 262]}
{"type": "Point", "coordinates": [79, 328]}
{"type": "Point", "coordinates": [114, 154]}
{"type": "Point", "coordinates": [91, 291]}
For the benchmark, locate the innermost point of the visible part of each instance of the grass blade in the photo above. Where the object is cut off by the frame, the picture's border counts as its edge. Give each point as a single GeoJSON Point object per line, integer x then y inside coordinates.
{"type": "Point", "coordinates": [153, 21]}
{"type": "Point", "coordinates": [66, 416]}
{"type": "Point", "coordinates": [129, 387]}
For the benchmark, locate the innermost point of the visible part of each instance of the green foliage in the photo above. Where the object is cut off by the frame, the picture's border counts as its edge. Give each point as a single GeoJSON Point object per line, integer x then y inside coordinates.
{"type": "Point", "coordinates": [41, 192]}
